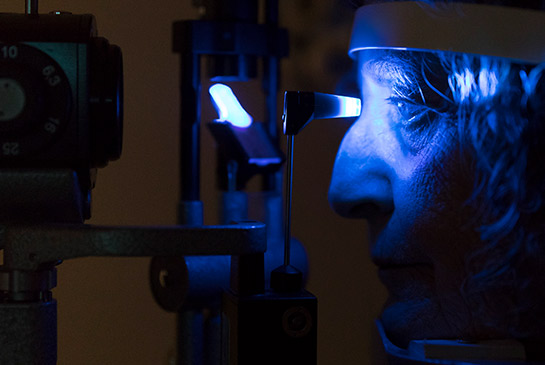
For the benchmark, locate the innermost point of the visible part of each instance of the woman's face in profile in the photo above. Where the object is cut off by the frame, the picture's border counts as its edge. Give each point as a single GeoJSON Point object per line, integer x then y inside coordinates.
{"type": "Point", "coordinates": [400, 168]}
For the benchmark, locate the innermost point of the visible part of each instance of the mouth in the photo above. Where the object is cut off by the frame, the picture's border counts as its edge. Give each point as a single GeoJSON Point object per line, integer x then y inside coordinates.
{"type": "Point", "coordinates": [423, 268]}
{"type": "Point", "coordinates": [406, 277]}
{"type": "Point", "coordinates": [401, 266]}
{"type": "Point", "coordinates": [388, 263]}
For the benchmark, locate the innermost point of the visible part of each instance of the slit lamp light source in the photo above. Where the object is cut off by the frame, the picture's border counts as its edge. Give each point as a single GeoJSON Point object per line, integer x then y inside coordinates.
{"type": "Point", "coordinates": [228, 106]}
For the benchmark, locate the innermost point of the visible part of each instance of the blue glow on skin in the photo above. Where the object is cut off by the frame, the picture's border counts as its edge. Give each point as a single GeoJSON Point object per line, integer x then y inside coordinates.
{"type": "Point", "coordinates": [411, 187]}
{"type": "Point", "coordinates": [228, 106]}
{"type": "Point", "coordinates": [379, 132]}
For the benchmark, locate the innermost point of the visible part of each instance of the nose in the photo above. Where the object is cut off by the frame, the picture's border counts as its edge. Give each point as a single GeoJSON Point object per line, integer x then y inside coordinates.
{"type": "Point", "coordinates": [361, 183]}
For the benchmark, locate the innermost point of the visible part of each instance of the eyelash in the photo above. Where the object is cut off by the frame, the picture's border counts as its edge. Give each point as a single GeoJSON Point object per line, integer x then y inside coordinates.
{"type": "Point", "coordinates": [416, 122]}
{"type": "Point", "coordinates": [412, 114]}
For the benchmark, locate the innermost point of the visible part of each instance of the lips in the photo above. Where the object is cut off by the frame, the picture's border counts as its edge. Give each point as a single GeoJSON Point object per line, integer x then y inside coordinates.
{"type": "Point", "coordinates": [392, 265]}
{"type": "Point", "coordinates": [420, 270]}
{"type": "Point", "coordinates": [383, 261]}
{"type": "Point", "coordinates": [407, 281]}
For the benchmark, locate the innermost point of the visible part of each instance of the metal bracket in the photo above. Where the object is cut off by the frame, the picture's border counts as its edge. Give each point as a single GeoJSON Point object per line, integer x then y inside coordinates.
{"type": "Point", "coordinates": [29, 247]}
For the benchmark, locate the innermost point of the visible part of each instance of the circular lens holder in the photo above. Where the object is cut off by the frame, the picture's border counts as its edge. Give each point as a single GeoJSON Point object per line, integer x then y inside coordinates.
{"type": "Point", "coordinates": [42, 96]}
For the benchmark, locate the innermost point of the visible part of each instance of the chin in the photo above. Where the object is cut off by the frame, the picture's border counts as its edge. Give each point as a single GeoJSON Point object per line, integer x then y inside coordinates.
{"type": "Point", "coordinates": [416, 319]}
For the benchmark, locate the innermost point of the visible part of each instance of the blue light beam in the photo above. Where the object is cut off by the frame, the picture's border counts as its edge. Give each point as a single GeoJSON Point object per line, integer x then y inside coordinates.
{"type": "Point", "coordinates": [336, 106]}
{"type": "Point", "coordinates": [301, 107]}
{"type": "Point", "coordinates": [228, 107]}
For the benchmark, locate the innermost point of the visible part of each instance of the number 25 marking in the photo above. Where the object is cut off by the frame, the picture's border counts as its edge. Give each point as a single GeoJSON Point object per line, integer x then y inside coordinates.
{"type": "Point", "coordinates": [11, 149]}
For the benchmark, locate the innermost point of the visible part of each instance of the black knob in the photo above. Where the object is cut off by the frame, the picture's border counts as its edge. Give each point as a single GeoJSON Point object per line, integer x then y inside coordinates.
{"type": "Point", "coordinates": [106, 101]}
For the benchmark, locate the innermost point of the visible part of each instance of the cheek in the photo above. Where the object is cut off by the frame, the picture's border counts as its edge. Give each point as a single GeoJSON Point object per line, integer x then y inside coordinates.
{"type": "Point", "coordinates": [445, 221]}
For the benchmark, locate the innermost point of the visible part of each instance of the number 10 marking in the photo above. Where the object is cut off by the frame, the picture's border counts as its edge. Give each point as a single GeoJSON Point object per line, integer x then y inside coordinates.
{"type": "Point", "coordinates": [9, 52]}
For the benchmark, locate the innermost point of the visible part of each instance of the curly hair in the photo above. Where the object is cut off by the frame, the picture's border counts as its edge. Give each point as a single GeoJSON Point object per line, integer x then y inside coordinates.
{"type": "Point", "coordinates": [499, 111]}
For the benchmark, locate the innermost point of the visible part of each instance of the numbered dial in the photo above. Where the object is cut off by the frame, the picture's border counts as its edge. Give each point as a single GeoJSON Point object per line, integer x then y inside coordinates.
{"type": "Point", "coordinates": [35, 100]}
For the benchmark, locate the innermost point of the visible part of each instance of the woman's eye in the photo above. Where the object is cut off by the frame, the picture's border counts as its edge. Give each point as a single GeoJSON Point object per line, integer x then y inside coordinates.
{"type": "Point", "coordinates": [412, 116]}
{"type": "Point", "coordinates": [410, 112]}
{"type": "Point", "coordinates": [414, 123]}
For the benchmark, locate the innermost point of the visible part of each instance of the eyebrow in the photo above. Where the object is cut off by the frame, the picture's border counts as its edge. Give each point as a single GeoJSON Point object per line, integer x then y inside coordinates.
{"type": "Point", "coordinates": [409, 77]}
{"type": "Point", "coordinates": [397, 73]}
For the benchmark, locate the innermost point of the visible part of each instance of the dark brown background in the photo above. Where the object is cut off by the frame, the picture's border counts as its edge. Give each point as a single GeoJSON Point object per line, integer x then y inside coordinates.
{"type": "Point", "coordinates": [106, 312]}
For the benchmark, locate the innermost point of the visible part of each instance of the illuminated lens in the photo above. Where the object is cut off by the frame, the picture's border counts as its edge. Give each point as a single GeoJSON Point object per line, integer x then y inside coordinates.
{"type": "Point", "coordinates": [228, 107]}
{"type": "Point", "coordinates": [335, 106]}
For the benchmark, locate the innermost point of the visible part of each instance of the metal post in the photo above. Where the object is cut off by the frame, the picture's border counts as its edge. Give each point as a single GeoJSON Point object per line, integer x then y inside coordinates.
{"type": "Point", "coordinates": [289, 185]}
{"type": "Point", "coordinates": [271, 75]}
{"type": "Point", "coordinates": [190, 126]}
{"type": "Point", "coordinates": [190, 210]}
{"type": "Point", "coordinates": [190, 333]}
{"type": "Point", "coordinates": [31, 6]}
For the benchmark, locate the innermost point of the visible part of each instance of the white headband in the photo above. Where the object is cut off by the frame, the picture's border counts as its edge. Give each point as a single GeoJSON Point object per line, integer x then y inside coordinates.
{"type": "Point", "coordinates": [499, 31]}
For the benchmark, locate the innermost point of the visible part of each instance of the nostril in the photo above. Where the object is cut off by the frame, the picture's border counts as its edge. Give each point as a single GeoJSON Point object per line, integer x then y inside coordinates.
{"type": "Point", "coordinates": [362, 198]}
{"type": "Point", "coordinates": [361, 190]}
{"type": "Point", "coordinates": [371, 210]}
{"type": "Point", "coordinates": [364, 208]}
{"type": "Point", "coordinates": [366, 211]}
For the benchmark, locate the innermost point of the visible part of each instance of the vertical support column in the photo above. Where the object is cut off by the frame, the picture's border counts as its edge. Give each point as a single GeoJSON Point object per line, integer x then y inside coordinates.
{"type": "Point", "coordinates": [190, 209]}
{"type": "Point", "coordinates": [271, 73]}
{"type": "Point", "coordinates": [271, 76]}
{"type": "Point", "coordinates": [31, 6]}
{"type": "Point", "coordinates": [190, 332]}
